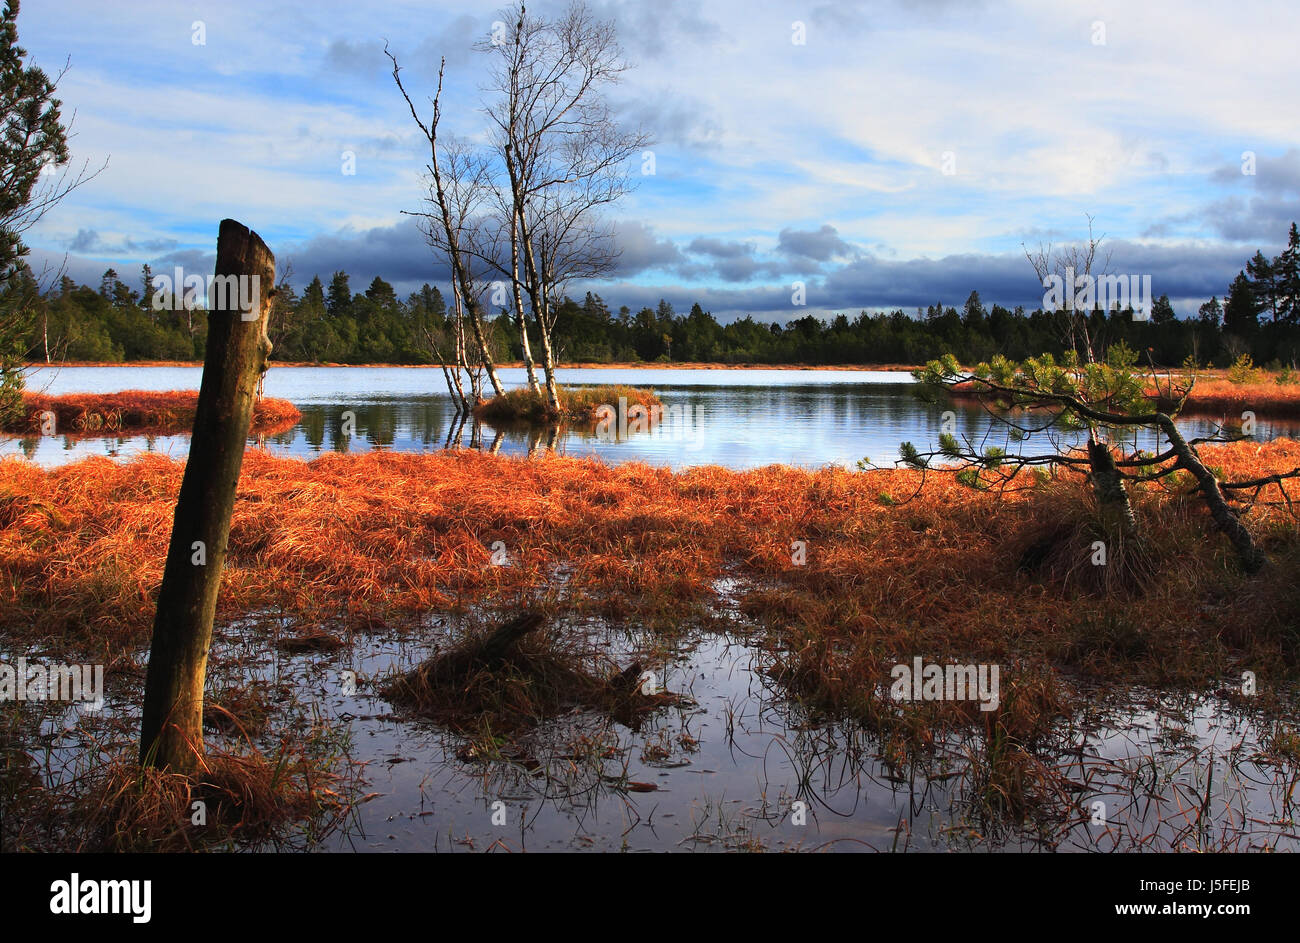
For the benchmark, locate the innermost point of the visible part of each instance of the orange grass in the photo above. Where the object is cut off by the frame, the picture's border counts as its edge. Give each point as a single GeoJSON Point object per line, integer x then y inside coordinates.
{"type": "Point", "coordinates": [1212, 395]}
{"type": "Point", "coordinates": [949, 573]}
{"type": "Point", "coordinates": [116, 806]}
{"type": "Point", "coordinates": [1223, 397]}
{"type": "Point", "coordinates": [537, 677]}
{"type": "Point", "coordinates": [358, 540]}
{"type": "Point", "coordinates": [138, 410]}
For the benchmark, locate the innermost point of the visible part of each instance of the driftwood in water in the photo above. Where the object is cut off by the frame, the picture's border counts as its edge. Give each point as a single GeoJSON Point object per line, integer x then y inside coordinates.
{"type": "Point", "coordinates": [486, 654]}
{"type": "Point", "coordinates": [516, 680]}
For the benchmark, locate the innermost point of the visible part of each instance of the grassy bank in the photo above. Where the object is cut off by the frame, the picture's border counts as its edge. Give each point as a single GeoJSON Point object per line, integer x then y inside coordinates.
{"type": "Point", "coordinates": [1266, 396]}
{"type": "Point", "coordinates": [350, 541]}
{"type": "Point", "coordinates": [1274, 396]}
{"type": "Point", "coordinates": [163, 413]}
{"type": "Point", "coordinates": [577, 404]}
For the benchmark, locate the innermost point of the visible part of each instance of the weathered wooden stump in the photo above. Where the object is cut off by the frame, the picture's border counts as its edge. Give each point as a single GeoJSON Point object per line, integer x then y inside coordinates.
{"type": "Point", "coordinates": [171, 730]}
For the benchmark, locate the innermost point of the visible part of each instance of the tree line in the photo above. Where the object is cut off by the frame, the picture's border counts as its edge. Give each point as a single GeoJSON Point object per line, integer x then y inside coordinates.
{"type": "Point", "coordinates": [1259, 316]}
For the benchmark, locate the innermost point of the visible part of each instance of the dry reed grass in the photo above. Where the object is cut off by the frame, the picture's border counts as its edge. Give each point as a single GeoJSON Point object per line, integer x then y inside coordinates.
{"type": "Point", "coordinates": [1213, 395]}
{"type": "Point", "coordinates": [1267, 398]}
{"type": "Point", "coordinates": [471, 687]}
{"type": "Point", "coordinates": [138, 411]}
{"type": "Point", "coordinates": [354, 541]}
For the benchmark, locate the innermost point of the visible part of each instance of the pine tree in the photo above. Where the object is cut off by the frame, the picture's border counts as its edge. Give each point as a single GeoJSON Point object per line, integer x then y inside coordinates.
{"type": "Point", "coordinates": [338, 302]}
{"type": "Point", "coordinates": [313, 301]}
{"type": "Point", "coordinates": [973, 316]}
{"type": "Point", "coordinates": [1263, 282]}
{"type": "Point", "coordinates": [1210, 314]}
{"type": "Point", "coordinates": [1162, 312]}
{"type": "Point", "coordinates": [1286, 271]}
{"type": "Point", "coordinates": [382, 294]}
{"type": "Point", "coordinates": [147, 290]}
{"type": "Point", "coordinates": [1241, 308]}
{"type": "Point", "coordinates": [33, 137]}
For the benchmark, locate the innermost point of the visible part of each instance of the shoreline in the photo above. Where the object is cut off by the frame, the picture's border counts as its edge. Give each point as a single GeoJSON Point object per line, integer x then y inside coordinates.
{"type": "Point", "coordinates": [512, 365]}
{"type": "Point", "coordinates": [1206, 373]}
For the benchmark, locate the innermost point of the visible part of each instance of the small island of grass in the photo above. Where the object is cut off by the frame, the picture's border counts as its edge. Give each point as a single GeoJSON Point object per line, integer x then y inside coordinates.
{"type": "Point", "coordinates": [581, 404]}
{"type": "Point", "coordinates": [160, 413]}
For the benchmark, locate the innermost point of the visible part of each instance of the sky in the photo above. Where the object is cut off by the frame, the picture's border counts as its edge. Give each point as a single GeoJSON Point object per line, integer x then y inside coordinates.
{"type": "Point", "coordinates": [882, 154]}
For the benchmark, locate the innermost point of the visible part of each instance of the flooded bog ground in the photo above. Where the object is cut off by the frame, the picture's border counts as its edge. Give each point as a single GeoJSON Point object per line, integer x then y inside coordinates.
{"type": "Point", "coordinates": [735, 765]}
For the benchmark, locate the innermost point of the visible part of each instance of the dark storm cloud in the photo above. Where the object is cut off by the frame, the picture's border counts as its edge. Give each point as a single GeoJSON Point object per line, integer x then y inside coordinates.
{"type": "Point", "coordinates": [48, 266]}
{"type": "Point", "coordinates": [1177, 271]}
{"type": "Point", "coordinates": [817, 245]}
{"type": "Point", "coordinates": [860, 16]}
{"type": "Point", "coordinates": [641, 250]}
{"type": "Point", "coordinates": [1276, 175]}
{"type": "Point", "coordinates": [720, 248]}
{"type": "Point", "coordinates": [660, 30]}
{"type": "Point", "coordinates": [732, 261]}
{"type": "Point", "coordinates": [396, 253]}
{"type": "Point", "coordinates": [356, 58]}
{"type": "Point", "coordinates": [190, 261]}
{"type": "Point", "coordinates": [1257, 209]}
{"type": "Point", "coordinates": [1259, 220]}
{"type": "Point", "coordinates": [364, 58]}
{"type": "Point", "coordinates": [89, 241]}
{"type": "Point", "coordinates": [1188, 275]}
{"type": "Point", "coordinates": [455, 42]}
{"type": "Point", "coordinates": [399, 254]}
{"type": "Point", "coordinates": [768, 302]}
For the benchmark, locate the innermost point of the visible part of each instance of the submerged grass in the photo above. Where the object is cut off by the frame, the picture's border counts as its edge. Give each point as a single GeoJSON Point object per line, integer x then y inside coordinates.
{"type": "Point", "coordinates": [98, 799]}
{"type": "Point", "coordinates": [247, 799]}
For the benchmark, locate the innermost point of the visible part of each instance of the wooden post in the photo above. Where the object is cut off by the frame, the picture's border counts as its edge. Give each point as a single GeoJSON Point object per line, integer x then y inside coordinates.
{"type": "Point", "coordinates": [171, 732]}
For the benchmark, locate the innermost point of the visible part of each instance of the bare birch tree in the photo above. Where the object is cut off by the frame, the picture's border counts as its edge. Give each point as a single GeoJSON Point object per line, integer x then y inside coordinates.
{"type": "Point", "coordinates": [457, 185]}
{"type": "Point", "coordinates": [564, 157]}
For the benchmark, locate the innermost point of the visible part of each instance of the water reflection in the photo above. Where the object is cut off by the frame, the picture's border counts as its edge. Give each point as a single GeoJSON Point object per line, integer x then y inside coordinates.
{"type": "Point", "coordinates": [734, 418]}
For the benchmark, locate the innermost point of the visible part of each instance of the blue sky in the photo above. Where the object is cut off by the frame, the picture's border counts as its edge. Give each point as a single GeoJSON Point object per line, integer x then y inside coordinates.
{"type": "Point", "coordinates": [822, 162]}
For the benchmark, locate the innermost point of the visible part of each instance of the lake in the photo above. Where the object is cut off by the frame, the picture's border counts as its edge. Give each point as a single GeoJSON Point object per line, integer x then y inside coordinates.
{"type": "Point", "coordinates": [736, 418]}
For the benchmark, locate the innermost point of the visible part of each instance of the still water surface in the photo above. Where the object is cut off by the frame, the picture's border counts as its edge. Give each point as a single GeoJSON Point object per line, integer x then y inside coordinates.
{"type": "Point", "coordinates": [736, 418]}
